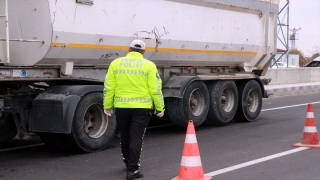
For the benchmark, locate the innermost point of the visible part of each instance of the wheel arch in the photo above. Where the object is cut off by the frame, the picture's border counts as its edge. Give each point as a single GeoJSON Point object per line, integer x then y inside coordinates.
{"type": "Point", "coordinates": [177, 85]}
{"type": "Point", "coordinates": [193, 105]}
{"type": "Point", "coordinates": [261, 84]}
{"type": "Point", "coordinates": [53, 110]}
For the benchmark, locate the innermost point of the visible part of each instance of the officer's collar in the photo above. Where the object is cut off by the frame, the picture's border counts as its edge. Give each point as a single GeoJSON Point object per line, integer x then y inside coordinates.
{"type": "Point", "coordinates": [135, 54]}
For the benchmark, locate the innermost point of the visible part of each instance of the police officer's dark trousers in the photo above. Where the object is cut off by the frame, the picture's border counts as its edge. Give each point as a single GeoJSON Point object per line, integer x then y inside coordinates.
{"type": "Point", "coordinates": [132, 123]}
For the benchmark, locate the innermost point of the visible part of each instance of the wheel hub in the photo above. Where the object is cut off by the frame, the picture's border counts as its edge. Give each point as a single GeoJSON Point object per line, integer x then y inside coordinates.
{"type": "Point", "coordinates": [227, 100]}
{"type": "Point", "coordinates": [196, 102]}
{"type": "Point", "coordinates": [252, 101]}
{"type": "Point", "coordinates": [95, 121]}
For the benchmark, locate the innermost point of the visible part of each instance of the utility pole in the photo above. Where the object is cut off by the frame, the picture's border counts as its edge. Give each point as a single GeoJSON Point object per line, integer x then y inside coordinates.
{"type": "Point", "coordinates": [294, 37]}
{"type": "Point", "coordinates": [288, 18]}
{"type": "Point", "coordinates": [283, 30]}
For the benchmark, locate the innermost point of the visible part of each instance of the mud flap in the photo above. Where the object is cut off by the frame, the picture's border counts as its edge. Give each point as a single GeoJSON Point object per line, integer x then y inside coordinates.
{"type": "Point", "coordinates": [53, 110]}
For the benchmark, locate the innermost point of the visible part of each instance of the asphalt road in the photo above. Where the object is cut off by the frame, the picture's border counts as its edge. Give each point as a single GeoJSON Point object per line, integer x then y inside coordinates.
{"type": "Point", "coordinates": [238, 151]}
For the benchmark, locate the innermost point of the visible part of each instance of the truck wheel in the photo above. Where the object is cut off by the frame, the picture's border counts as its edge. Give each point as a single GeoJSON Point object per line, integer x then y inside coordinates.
{"type": "Point", "coordinates": [250, 101]}
{"type": "Point", "coordinates": [8, 128]}
{"type": "Point", "coordinates": [92, 130]}
{"type": "Point", "coordinates": [193, 106]}
{"type": "Point", "coordinates": [223, 101]}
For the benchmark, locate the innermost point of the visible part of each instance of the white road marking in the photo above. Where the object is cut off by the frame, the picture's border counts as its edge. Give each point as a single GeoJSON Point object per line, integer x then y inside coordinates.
{"type": "Point", "coordinates": [152, 127]}
{"type": "Point", "coordinates": [284, 107]}
{"type": "Point", "coordinates": [21, 147]}
{"type": "Point", "coordinates": [249, 163]}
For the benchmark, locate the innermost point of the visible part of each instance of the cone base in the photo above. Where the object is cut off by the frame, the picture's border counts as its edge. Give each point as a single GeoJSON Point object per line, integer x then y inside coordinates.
{"type": "Point", "coordinates": [306, 145]}
{"type": "Point", "coordinates": [204, 178]}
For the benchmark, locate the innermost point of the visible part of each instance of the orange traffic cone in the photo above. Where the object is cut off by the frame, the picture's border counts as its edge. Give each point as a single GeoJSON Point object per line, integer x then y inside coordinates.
{"type": "Point", "coordinates": [310, 133]}
{"type": "Point", "coordinates": [191, 167]}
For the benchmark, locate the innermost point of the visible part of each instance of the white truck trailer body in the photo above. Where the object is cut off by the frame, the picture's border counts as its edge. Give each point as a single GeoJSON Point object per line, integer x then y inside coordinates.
{"type": "Point", "coordinates": [177, 33]}
{"type": "Point", "coordinates": [54, 55]}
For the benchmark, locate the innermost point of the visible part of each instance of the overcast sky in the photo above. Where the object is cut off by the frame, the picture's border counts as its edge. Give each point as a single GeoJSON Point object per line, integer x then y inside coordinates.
{"type": "Point", "coordinates": [304, 14]}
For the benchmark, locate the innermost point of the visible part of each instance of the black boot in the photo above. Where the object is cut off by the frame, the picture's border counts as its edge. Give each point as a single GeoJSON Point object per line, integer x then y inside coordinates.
{"type": "Point", "coordinates": [133, 175]}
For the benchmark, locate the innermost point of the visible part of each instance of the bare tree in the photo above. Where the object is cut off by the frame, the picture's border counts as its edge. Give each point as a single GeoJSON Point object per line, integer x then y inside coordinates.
{"type": "Point", "coordinates": [316, 52]}
{"type": "Point", "coordinates": [315, 55]}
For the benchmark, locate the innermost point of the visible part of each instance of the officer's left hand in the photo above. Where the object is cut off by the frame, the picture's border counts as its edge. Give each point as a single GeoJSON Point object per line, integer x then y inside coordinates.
{"type": "Point", "coordinates": [108, 112]}
{"type": "Point", "coordinates": [159, 114]}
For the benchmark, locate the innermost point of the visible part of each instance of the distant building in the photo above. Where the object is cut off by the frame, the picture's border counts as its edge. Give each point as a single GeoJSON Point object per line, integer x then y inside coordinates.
{"type": "Point", "coordinates": [293, 59]}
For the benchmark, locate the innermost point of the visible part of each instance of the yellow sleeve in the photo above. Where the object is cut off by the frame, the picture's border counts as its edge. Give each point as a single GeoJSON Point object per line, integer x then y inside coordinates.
{"type": "Point", "coordinates": [155, 88]}
{"type": "Point", "coordinates": [109, 88]}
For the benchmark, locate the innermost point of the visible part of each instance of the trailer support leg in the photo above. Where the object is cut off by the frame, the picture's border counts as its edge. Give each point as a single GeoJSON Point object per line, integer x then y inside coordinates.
{"type": "Point", "coordinates": [21, 125]}
{"type": "Point", "coordinates": [15, 106]}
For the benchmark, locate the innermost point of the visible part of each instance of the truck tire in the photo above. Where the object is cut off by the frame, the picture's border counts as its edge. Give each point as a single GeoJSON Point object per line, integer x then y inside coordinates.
{"type": "Point", "coordinates": [8, 128]}
{"type": "Point", "coordinates": [92, 130]}
{"type": "Point", "coordinates": [193, 106]}
{"type": "Point", "coordinates": [223, 101]}
{"type": "Point", "coordinates": [250, 101]}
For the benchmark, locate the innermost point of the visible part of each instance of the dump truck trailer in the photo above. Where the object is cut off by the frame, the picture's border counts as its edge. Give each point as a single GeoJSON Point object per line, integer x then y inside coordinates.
{"type": "Point", "coordinates": [54, 55]}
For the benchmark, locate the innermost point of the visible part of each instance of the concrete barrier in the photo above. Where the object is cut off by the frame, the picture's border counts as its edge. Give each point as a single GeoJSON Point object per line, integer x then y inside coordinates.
{"type": "Point", "coordinates": [293, 75]}
{"type": "Point", "coordinates": [292, 89]}
{"type": "Point", "coordinates": [292, 81]}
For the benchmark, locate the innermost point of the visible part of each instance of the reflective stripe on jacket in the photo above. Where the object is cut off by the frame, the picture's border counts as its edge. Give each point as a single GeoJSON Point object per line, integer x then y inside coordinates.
{"type": "Point", "coordinates": [133, 82]}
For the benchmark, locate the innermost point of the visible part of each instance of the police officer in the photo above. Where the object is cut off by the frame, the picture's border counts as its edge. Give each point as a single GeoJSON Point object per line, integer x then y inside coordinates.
{"type": "Point", "coordinates": [134, 89]}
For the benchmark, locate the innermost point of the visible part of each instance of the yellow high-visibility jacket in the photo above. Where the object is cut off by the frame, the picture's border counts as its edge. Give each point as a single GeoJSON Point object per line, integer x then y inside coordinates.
{"type": "Point", "coordinates": [133, 82]}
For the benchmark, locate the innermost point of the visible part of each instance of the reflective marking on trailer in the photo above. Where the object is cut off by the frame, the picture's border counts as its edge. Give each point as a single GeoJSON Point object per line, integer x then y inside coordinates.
{"type": "Point", "coordinates": [179, 50]}
{"type": "Point", "coordinates": [58, 44]}
{"type": "Point", "coordinates": [249, 163]}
